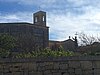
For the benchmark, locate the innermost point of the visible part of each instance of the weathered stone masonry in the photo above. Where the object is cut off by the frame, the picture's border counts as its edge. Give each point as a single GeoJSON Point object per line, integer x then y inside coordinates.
{"type": "Point", "coordinates": [51, 66]}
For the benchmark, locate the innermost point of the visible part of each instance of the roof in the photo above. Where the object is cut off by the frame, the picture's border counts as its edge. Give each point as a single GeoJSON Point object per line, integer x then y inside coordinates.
{"type": "Point", "coordinates": [68, 40]}
{"type": "Point", "coordinates": [16, 23]}
{"type": "Point", "coordinates": [54, 41]}
{"type": "Point", "coordinates": [24, 24]}
{"type": "Point", "coordinates": [40, 12]}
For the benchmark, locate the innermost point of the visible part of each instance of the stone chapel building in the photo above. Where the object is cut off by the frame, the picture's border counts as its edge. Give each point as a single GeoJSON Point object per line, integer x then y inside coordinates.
{"type": "Point", "coordinates": [30, 36]}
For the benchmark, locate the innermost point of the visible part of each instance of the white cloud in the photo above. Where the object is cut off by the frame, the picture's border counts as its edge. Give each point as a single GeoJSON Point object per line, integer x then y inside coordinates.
{"type": "Point", "coordinates": [16, 17]}
{"type": "Point", "coordinates": [68, 24]}
{"type": "Point", "coordinates": [31, 2]}
{"type": "Point", "coordinates": [62, 25]}
{"type": "Point", "coordinates": [70, 17]}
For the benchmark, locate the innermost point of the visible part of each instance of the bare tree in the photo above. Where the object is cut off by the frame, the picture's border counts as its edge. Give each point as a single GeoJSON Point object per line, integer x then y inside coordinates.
{"type": "Point", "coordinates": [98, 39]}
{"type": "Point", "coordinates": [86, 39]}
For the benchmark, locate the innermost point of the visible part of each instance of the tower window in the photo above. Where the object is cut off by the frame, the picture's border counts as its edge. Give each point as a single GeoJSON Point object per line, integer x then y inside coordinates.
{"type": "Point", "coordinates": [36, 19]}
{"type": "Point", "coordinates": [43, 18]}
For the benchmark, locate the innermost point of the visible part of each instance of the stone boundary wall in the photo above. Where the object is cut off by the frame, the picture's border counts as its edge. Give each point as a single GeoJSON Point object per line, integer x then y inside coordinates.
{"type": "Point", "coordinates": [87, 65]}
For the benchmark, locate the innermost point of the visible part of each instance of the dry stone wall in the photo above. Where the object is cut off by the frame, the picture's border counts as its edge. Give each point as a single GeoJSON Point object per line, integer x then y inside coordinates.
{"type": "Point", "coordinates": [51, 66]}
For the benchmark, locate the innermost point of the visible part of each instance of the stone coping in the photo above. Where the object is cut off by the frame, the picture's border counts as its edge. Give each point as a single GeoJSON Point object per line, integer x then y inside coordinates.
{"type": "Point", "coordinates": [50, 59]}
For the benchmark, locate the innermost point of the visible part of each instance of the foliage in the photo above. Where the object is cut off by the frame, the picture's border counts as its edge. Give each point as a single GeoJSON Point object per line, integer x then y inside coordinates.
{"type": "Point", "coordinates": [7, 42]}
{"type": "Point", "coordinates": [45, 53]}
{"type": "Point", "coordinates": [91, 54]}
{"type": "Point", "coordinates": [4, 53]}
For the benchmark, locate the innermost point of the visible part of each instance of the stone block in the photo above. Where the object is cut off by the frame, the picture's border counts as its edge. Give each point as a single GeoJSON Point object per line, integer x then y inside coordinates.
{"type": "Point", "coordinates": [25, 66]}
{"type": "Point", "coordinates": [63, 66]}
{"type": "Point", "coordinates": [41, 69]}
{"type": "Point", "coordinates": [56, 74]}
{"type": "Point", "coordinates": [47, 72]}
{"type": "Point", "coordinates": [71, 73]}
{"type": "Point", "coordinates": [54, 71]}
{"type": "Point", "coordinates": [86, 65]}
{"type": "Point", "coordinates": [74, 64]}
{"type": "Point", "coordinates": [1, 70]}
{"type": "Point", "coordinates": [42, 64]}
{"type": "Point", "coordinates": [48, 63]}
{"type": "Point", "coordinates": [31, 73]}
{"type": "Point", "coordinates": [5, 70]}
{"type": "Point", "coordinates": [87, 72]}
{"type": "Point", "coordinates": [65, 74]}
{"type": "Point", "coordinates": [96, 64]}
{"type": "Point", "coordinates": [63, 70]}
{"type": "Point", "coordinates": [1, 73]}
{"type": "Point", "coordinates": [16, 73]}
{"type": "Point", "coordinates": [96, 71]}
{"type": "Point", "coordinates": [49, 67]}
{"type": "Point", "coordinates": [1, 66]}
{"type": "Point", "coordinates": [38, 73]}
{"type": "Point", "coordinates": [56, 66]}
{"type": "Point", "coordinates": [71, 70]}
{"type": "Point", "coordinates": [78, 71]}
{"type": "Point", "coordinates": [15, 69]}
{"type": "Point", "coordinates": [32, 66]}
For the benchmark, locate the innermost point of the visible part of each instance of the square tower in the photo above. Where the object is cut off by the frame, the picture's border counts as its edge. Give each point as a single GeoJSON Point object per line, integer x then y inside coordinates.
{"type": "Point", "coordinates": [40, 18]}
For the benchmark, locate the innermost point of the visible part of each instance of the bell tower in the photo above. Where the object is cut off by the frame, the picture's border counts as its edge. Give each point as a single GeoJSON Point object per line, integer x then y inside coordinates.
{"type": "Point", "coordinates": [40, 18]}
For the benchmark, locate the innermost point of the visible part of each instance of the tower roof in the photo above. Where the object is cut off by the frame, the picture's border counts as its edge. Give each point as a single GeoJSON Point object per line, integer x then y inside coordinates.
{"type": "Point", "coordinates": [40, 12]}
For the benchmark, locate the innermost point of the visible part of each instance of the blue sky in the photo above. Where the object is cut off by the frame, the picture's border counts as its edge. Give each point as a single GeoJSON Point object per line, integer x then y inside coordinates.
{"type": "Point", "coordinates": [64, 17]}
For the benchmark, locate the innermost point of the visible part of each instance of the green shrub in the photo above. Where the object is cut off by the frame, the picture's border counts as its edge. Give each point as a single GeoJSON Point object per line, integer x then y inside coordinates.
{"type": "Point", "coordinates": [7, 41]}
{"type": "Point", "coordinates": [45, 53]}
{"type": "Point", "coordinates": [4, 53]}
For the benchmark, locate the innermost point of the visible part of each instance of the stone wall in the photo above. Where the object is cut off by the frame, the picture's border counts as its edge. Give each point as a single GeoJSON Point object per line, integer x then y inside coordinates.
{"type": "Point", "coordinates": [51, 66]}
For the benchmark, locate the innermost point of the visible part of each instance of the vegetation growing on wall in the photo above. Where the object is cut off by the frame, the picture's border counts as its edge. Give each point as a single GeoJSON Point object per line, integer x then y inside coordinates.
{"type": "Point", "coordinates": [7, 43]}
{"type": "Point", "coordinates": [45, 53]}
